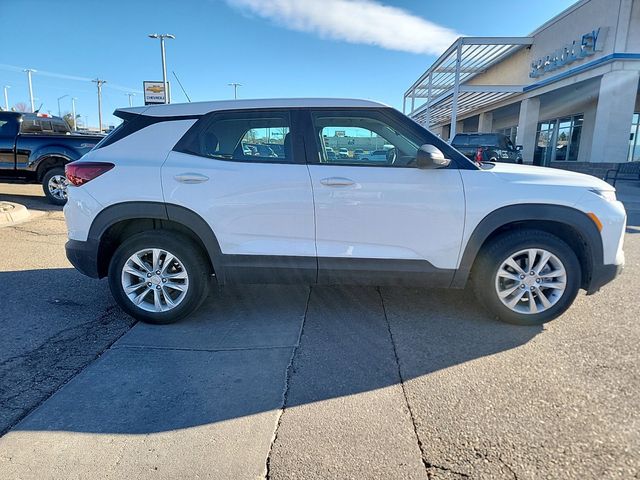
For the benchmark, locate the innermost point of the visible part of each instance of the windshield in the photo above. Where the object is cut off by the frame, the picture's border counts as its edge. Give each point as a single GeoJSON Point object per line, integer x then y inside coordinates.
{"type": "Point", "coordinates": [474, 140]}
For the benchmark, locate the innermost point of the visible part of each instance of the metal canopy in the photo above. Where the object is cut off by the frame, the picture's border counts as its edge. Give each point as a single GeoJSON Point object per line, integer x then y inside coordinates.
{"type": "Point", "coordinates": [443, 84]}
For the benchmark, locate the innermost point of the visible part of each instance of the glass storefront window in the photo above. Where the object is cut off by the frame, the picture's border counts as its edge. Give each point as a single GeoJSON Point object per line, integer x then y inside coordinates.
{"type": "Point", "coordinates": [634, 141]}
{"type": "Point", "coordinates": [558, 140]}
{"type": "Point", "coordinates": [510, 132]}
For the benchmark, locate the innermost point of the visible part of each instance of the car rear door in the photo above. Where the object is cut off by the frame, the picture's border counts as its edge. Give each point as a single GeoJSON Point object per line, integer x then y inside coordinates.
{"type": "Point", "coordinates": [258, 203]}
{"type": "Point", "coordinates": [382, 222]}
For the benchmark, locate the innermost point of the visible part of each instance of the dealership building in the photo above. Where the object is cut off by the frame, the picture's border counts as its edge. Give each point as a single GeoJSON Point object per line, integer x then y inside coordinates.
{"type": "Point", "coordinates": [567, 93]}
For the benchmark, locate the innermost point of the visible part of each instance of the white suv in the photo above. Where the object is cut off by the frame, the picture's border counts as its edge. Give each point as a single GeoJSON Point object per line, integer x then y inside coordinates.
{"type": "Point", "coordinates": [171, 199]}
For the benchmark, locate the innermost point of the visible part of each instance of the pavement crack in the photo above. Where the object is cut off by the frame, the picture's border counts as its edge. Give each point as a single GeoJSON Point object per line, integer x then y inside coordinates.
{"type": "Point", "coordinates": [431, 466]}
{"type": "Point", "coordinates": [30, 378]}
{"type": "Point", "coordinates": [285, 391]}
{"type": "Point", "coordinates": [515, 475]}
{"type": "Point", "coordinates": [428, 466]}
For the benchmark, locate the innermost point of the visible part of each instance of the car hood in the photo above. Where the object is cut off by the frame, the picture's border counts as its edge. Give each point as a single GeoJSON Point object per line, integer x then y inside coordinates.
{"type": "Point", "coordinates": [529, 174]}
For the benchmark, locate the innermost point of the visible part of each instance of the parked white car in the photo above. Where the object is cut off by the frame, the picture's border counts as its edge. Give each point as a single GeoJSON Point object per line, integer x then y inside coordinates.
{"type": "Point", "coordinates": [170, 200]}
{"type": "Point", "coordinates": [375, 156]}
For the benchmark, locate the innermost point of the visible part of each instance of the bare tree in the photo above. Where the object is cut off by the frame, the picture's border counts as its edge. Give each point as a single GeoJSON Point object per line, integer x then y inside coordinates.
{"type": "Point", "coordinates": [21, 107]}
{"type": "Point", "coordinates": [68, 118]}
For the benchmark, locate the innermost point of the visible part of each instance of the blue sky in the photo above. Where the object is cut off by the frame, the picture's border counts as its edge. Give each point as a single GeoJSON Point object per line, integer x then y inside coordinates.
{"type": "Point", "coordinates": [275, 48]}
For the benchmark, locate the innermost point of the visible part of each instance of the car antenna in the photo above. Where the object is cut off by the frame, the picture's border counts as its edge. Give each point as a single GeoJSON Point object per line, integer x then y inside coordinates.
{"type": "Point", "coordinates": [180, 83]}
{"type": "Point", "coordinates": [38, 110]}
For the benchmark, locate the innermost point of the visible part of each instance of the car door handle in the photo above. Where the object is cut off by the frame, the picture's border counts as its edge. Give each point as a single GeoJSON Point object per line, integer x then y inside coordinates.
{"type": "Point", "coordinates": [191, 178]}
{"type": "Point", "coordinates": [337, 182]}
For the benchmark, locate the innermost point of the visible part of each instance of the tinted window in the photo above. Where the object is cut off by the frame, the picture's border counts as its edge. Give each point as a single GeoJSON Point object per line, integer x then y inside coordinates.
{"type": "Point", "coordinates": [30, 125]}
{"type": "Point", "coordinates": [475, 140]}
{"type": "Point", "coordinates": [241, 136]}
{"type": "Point", "coordinates": [60, 127]}
{"type": "Point", "coordinates": [382, 141]}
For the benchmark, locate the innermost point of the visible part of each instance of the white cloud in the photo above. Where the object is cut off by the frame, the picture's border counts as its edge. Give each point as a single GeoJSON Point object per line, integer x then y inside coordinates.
{"type": "Point", "coordinates": [355, 21]}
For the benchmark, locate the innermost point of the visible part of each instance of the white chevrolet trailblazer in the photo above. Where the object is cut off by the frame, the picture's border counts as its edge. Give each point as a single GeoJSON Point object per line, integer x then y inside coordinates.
{"type": "Point", "coordinates": [245, 192]}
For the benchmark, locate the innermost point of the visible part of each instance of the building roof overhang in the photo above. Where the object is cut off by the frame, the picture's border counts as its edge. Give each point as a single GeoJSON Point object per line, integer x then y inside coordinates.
{"type": "Point", "coordinates": [445, 88]}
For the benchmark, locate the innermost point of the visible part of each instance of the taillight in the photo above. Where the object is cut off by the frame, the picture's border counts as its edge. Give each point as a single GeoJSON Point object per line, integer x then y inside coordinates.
{"type": "Point", "coordinates": [79, 173]}
{"type": "Point", "coordinates": [479, 155]}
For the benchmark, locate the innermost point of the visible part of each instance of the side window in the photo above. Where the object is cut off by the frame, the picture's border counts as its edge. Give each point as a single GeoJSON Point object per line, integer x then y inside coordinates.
{"type": "Point", "coordinates": [30, 125]}
{"type": "Point", "coordinates": [46, 125]}
{"type": "Point", "coordinates": [241, 136]}
{"type": "Point", "coordinates": [362, 139]}
{"type": "Point", "coordinates": [60, 127]}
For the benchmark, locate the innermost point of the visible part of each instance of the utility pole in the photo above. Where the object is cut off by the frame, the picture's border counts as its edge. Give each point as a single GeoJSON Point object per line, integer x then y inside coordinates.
{"type": "Point", "coordinates": [6, 97]}
{"type": "Point", "coordinates": [60, 98]}
{"type": "Point", "coordinates": [162, 36]}
{"type": "Point", "coordinates": [130, 95]}
{"type": "Point", "coordinates": [29, 71]}
{"type": "Point", "coordinates": [235, 89]}
{"type": "Point", "coordinates": [73, 112]}
{"type": "Point", "coordinates": [99, 84]}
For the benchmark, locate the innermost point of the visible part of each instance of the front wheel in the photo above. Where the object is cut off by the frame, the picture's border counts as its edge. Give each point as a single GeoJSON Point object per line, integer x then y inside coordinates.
{"type": "Point", "coordinates": [158, 276]}
{"type": "Point", "coordinates": [527, 277]}
{"type": "Point", "coordinates": [54, 184]}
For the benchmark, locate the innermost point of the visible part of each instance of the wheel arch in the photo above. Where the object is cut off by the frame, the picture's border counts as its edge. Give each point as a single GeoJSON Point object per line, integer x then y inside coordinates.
{"type": "Point", "coordinates": [117, 222]}
{"type": "Point", "coordinates": [569, 224]}
{"type": "Point", "coordinates": [48, 161]}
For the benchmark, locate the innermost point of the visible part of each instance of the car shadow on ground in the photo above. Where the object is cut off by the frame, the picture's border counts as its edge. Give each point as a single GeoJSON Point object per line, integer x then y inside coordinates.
{"type": "Point", "coordinates": [231, 359]}
{"type": "Point", "coordinates": [32, 202]}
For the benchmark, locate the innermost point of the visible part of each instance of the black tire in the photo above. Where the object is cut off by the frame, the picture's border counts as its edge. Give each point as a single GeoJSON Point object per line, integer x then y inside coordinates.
{"type": "Point", "coordinates": [45, 186]}
{"type": "Point", "coordinates": [186, 251]}
{"type": "Point", "coordinates": [499, 250]}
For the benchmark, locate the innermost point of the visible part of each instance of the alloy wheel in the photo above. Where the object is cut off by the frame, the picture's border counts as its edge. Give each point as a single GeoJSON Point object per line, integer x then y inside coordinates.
{"type": "Point", "coordinates": [57, 186]}
{"type": "Point", "coordinates": [155, 280]}
{"type": "Point", "coordinates": [531, 281]}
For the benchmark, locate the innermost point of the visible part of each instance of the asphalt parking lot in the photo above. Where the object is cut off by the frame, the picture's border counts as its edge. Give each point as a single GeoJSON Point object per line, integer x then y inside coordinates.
{"type": "Point", "coordinates": [290, 382]}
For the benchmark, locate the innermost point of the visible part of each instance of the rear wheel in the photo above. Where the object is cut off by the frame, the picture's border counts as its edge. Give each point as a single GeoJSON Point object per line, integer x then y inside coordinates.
{"type": "Point", "coordinates": [528, 277]}
{"type": "Point", "coordinates": [54, 184]}
{"type": "Point", "coordinates": [158, 276]}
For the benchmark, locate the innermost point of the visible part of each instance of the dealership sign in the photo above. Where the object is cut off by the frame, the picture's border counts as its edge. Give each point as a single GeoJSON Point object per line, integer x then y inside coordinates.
{"type": "Point", "coordinates": [587, 45]}
{"type": "Point", "coordinates": [153, 92]}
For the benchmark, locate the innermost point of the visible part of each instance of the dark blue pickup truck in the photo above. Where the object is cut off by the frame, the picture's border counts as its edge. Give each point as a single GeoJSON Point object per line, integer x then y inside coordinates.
{"type": "Point", "coordinates": [35, 148]}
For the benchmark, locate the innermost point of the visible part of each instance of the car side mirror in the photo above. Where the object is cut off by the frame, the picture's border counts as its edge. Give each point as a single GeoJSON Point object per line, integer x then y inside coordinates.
{"type": "Point", "coordinates": [430, 157]}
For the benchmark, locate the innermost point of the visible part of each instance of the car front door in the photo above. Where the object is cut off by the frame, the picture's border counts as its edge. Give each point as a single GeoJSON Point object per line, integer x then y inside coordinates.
{"type": "Point", "coordinates": [244, 173]}
{"type": "Point", "coordinates": [382, 221]}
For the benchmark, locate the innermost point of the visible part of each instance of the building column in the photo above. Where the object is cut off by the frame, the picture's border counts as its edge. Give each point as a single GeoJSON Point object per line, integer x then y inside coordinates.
{"type": "Point", "coordinates": [485, 122]}
{"type": "Point", "coordinates": [459, 127]}
{"type": "Point", "coordinates": [614, 113]}
{"type": "Point", "coordinates": [527, 127]}
{"type": "Point", "coordinates": [437, 131]}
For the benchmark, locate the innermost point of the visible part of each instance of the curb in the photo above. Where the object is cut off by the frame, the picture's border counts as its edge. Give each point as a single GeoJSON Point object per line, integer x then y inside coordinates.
{"type": "Point", "coordinates": [11, 213]}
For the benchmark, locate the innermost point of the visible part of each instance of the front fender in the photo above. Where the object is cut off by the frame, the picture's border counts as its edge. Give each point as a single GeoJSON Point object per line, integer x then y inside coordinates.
{"type": "Point", "coordinates": [572, 217]}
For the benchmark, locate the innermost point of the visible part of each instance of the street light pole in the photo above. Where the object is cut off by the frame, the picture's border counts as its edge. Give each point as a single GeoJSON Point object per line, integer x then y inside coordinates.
{"type": "Point", "coordinates": [6, 97]}
{"type": "Point", "coordinates": [235, 89]}
{"type": "Point", "coordinates": [73, 112]}
{"type": "Point", "coordinates": [29, 71]}
{"type": "Point", "coordinates": [60, 98]}
{"type": "Point", "coordinates": [130, 95]}
{"type": "Point", "coordinates": [99, 84]}
{"type": "Point", "coordinates": [162, 36]}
